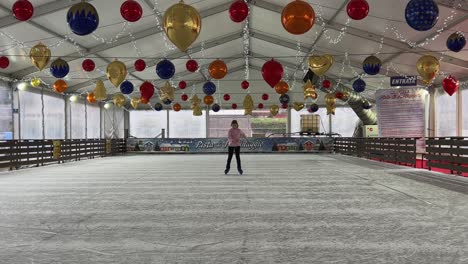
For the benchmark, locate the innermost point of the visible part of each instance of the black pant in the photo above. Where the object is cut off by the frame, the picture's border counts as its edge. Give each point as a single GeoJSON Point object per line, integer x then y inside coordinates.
{"type": "Point", "coordinates": [231, 152]}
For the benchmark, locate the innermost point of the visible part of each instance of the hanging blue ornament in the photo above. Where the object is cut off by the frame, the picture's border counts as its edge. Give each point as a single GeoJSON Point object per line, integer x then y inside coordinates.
{"type": "Point", "coordinates": [313, 108]}
{"type": "Point", "coordinates": [167, 102]}
{"type": "Point", "coordinates": [456, 42]}
{"type": "Point", "coordinates": [422, 15]}
{"type": "Point", "coordinates": [215, 108]}
{"type": "Point", "coordinates": [165, 69]}
{"type": "Point", "coordinates": [372, 65]}
{"type": "Point", "coordinates": [59, 68]}
{"type": "Point", "coordinates": [158, 107]}
{"type": "Point", "coordinates": [83, 18]}
{"type": "Point", "coordinates": [284, 99]}
{"type": "Point", "coordinates": [126, 87]}
{"type": "Point", "coordinates": [209, 88]}
{"type": "Point", "coordinates": [359, 85]}
{"type": "Point", "coordinates": [366, 105]}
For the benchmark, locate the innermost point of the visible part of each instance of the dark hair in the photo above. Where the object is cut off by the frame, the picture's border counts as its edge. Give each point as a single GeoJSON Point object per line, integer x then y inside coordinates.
{"type": "Point", "coordinates": [234, 122]}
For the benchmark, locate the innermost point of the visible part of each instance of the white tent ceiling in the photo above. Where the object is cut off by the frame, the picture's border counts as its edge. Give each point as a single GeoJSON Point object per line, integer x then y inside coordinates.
{"type": "Point", "coordinates": [384, 32]}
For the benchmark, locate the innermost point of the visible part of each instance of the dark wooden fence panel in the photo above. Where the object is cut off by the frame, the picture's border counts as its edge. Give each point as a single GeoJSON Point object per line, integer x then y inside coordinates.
{"type": "Point", "coordinates": [448, 153]}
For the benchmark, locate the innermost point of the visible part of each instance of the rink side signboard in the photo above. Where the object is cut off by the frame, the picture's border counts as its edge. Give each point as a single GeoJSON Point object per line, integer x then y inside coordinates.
{"type": "Point", "coordinates": [216, 145]}
{"type": "Point", "coordinates": [403, 81]}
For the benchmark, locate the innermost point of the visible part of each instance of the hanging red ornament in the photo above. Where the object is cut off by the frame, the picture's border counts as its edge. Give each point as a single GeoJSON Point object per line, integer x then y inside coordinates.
{"type": "Point", "coordinates": [284, 106]}
{"type": "Point", "coordinates": [88, 65]}
{"type": "Point", "coordinates": [339, 95]}
{"type": "Point", "coordinates": [326, 84]}
{"type": "Point", "coordinates": [4, 62]}
{"type": "Point", "coordinates": [234, 106]}
{"type": "Point", "coordinates": [140, 65]}
{"type": "Point", "coordinates": [260, 106]}
{"type": "Point", "coordinates": [184, 97]}
{"type": "Point", "coordinates": [450, 85]}
{"type": "Point", "coordinates": [182, 85]}
{"type": "Point", "coordinates": [245, 85]}
{"type": "Point", "coordinates": [192, 65]}
{"type": "Point", "coordinates": [22, 10]}
{"type": "Point", "coordinates": [272, 72]}
{"type": "Point", "coordinates": [131, 10]}
{"type": "Point", "coordinates": [227, 97]}
{"type": "Point", "coordinates": [176, 107]}
{"type": "Point", "coordinates": [357, 9]}
{"type": "Point", "coordinates": [147, 90]}
{"type": "Point", "coordinates": [238, 11]}
{"type": "Point", "coordinates": [265, 97]}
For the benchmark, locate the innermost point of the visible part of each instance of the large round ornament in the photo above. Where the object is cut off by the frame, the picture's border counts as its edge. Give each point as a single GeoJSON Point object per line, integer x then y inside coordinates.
{"type": "Point", "coordinates": [184, 97]}
{"type": "Point", "coordinates": [298, 17]}
{"type": "Point", "coordinates": [238, 11]}
{"type": "Point", "coordinates": [131, 10]}
{"type": "Point", "coordinates": [281, 87]}
{"type": "Point", "coordinates": [165, 69]}
{"type": "Point", "coordinates": [326, 84]}
{"type": "Point", "coordinates": [284, 106]}
{"type": "Point", "coordinates": [372, 65]}
{"type": "Point", "coordinates": [147, 90]}
{"type": "Point", "coordinates": [91, 98]}
{"type": "Point", "coordinates": [227, 97]}
{"type": "Point", "coordinates": [59, 68]}
{"type": "Point", "coordinates": [284, 99]}
{"type": "Point", "coordinates": [60, 86]}
{"type": "Point", "coordinates": [357, 9]}
{"type": "Point", "coordinates": [126, 87]}
{"type": "Point", "coordinates": [167, 101]}
{"type": "Point", "coordinates": [265, 97]}
{"type": "Point", "coordinates": [119, 100]}
{"type": "Point", "coordinates": [88, 65]}
{"type": "Point", "coordinates": [191, 65]}
{"type": "Point", "coordinates": [116, 72]}
{"type": "Point", "coordinates": [4, 62]}
{"type": "Point", "coordinates": [428, 67]}
{"type": "Point", "coordinates": [456, 42]}
{"type": "Point", "coordinates": [208, 99]}
{"type": "Point", "coordinates": [234, 106]}
{"type": "Point", "coordinates": [182, 24]}
{"type": "Point", "coordinates": [182, 85]}
{"type": "Point", "coordinates": [217, 69]}
{"type": "Point", "coordinates": [313, 108]}
{"type": "Point", "coordinates": [209, 88]}
{"type": "Point", "coordinates": [22, 10]}
{"type": "Point", "coordinates": [140, 65]}
{"type": "Point", "coordinates": [450, 85]}
{"type": "Point", "coordinates": [158, 107]}
{"type": "Point", "coordinates": [359, 85]}
{"type": "Point", "coordinates": [260, 106]}
{"type": "Point", "coordinates": [40, 55]}
{"type": "Point", "coordinates": [272, 72]}
{"type": "Point", "coordinates": [245, 85]}
{"type": "Point", "coordinates": [422, 15]}
{"type": "Point", "coordinates": [83, 18]}
{"type": "Point", "coordinates": [176, 107]}
{"type": "Point", "coordinates": [215, 108]}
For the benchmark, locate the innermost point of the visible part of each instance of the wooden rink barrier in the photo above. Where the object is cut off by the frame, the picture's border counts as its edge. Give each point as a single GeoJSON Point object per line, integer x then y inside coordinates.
{"type": "Point", "coordinates": [15, 154]}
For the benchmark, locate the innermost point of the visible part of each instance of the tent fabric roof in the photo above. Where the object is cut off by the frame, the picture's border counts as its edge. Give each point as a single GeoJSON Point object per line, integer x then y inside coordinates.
{"type": "Point", "coordinates": [384, 32]}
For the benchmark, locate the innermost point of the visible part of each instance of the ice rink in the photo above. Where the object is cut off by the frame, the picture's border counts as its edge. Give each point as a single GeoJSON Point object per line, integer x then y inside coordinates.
{"type": "Point", "coordinates": [286, 208]}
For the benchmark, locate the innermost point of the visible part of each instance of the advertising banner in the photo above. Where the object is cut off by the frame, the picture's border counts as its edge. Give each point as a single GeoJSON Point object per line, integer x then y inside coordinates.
{"type": "Point", "coordinates": [216, 145]}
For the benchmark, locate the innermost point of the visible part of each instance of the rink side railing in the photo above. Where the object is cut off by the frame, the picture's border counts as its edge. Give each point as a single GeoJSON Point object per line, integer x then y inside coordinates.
{"type": "Point", "coordinates": [397, 150]}
{"type": "Point", "coordinates": [450, 153]}
{"type": "Point", "coordinates": [16, 154]}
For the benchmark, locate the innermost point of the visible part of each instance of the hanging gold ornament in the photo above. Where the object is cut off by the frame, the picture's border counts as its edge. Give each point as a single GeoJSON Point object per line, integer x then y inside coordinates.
{"type": "Point", "coordinates": [428, 67]}
{"type": "Point", "coordinates": [330, 101]}
{"type": "Point", "coordinates": [35, 82]}
{"type": "Point", "coordinates": [320, 64]}
{"type": "Point", "coordinates": [248, 105]}
{"type": "Point", "coordinates": [298, 106]}
{"type": "Point", "coordinates": [100, 91]}
{"type": "Point", "coordinates": [134, 102]}
{"type": "Point", "coordinates": [182, 24]}
{"type": "Point", "coordinates": [197, 111]}
{"type": "Point", "coordinates": [40, 55]}
{"type": "Point", "coordinates": [116, 72]}
{"type": "Point", "coordinates": [309, 91]}
{"type": "Point", "coordinates": [167, 92]}
{"type": "Point", "coordinates": [274, 109]}
{"type": "Point", "coordinates": [119, 100]}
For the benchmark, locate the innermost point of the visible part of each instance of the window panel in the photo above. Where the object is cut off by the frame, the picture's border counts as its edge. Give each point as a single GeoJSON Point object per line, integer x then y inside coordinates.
{"type": "Point", "coordinates": [465, 113]}
{"type": "Point", "coordinates": [6, 118]}
{"type": "Point", "coordinates": [184, 125]}
{"type": "Point", "coordinates": [147, 124]}
{"type": "Point", "coordinates": [94, 121]}
{"type": "Point", "coordinates": [344, 121]}
{"type": "Point", "coordinates": [446, 107]}
{"type": "Point", "coordinates": [78, 129]}
{"type": "Point", "coordinates": [30, 115]}
{"type": "Point", "coordinates": [54, 117]}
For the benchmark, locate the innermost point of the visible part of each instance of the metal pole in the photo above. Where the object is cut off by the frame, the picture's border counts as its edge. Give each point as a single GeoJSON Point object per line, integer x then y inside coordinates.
{"type": "Point", "coordinates": [288, 126]}
{"type": "Point", "coordinates": [207, 122]}
{"type": "Point", "coordinates": [459, 113]}
{"type": "Point", "coordinates": [167, 124]}
{"type": "Point", "coordinates": [330, 124]}
{"type": "Point", "coordinates": [432, 112]}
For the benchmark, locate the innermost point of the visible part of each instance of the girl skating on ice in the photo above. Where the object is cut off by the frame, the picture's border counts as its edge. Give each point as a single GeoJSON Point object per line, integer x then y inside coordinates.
{"type": "Point", "coordinates": [234, 136]}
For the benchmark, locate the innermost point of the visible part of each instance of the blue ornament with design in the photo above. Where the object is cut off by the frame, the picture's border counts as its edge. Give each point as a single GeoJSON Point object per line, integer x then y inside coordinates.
{"type": "Point", "coordinates": [359, 85]}
{"type": "Point", "coordinates": [209, 88]}
{"type": "Point", "coordinates": [83, 18]}
{"type": "Point", "coordinates": [313, 108]}
{"type": "Point", "coordinates": [158, 107]}
{"type": "Point", "coordinates": [456, 42]}
{"type": "Point", "coordinates": [284, 99]}
{"type": "Point", "coordinates": [422, 15]}
{"type": "Point", "coordinates": [167, 102]}
{"type": "Point", "coordinates": [126, 87]}
{"type": "Point", "coordinates": [372, 65]}
{"type": "Point", "coordinates": [215, 108]}
{"type": "Point", "coordinates": [59, 68]}
{"type": "Point", "coordinates": [165, 69]}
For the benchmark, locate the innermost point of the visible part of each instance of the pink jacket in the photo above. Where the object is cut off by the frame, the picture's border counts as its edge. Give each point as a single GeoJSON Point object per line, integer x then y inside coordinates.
{"type": "Point", "coordinates": [234, 136]}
